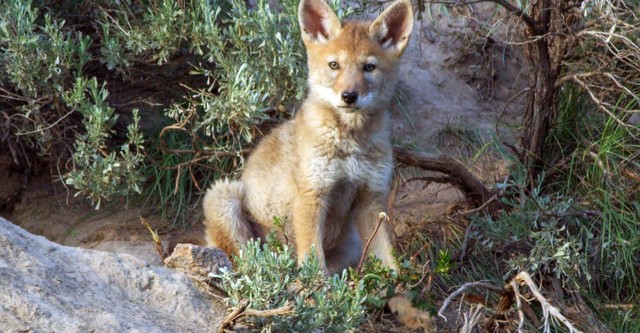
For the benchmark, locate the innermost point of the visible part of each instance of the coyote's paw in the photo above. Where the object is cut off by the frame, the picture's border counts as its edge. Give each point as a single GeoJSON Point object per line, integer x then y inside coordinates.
{"type": "Point", "coordinates": [408, 315]}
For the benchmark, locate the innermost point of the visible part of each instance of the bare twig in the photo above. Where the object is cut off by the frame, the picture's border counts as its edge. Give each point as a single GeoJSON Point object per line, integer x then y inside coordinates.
{"type": "Point", "coordinates": [205, 283]}
{"type": "Point", "coordinates": [624, 307]}
{"type": "Point", "coordinates": [471, 319]}
{"type": "Point", "coordinates": [423, 275]}
{"type": "Point", "coordinates": [241, 310]}
{"type": "Point", "coordinates": [604, 106]}
{"type": "Point", "coordinates": [548, 310]}
{"type": "Point", "coordinates": [381, 217]}
{"type": "Point", "coordinates": [40, 130]}
{"type": "Point", "coordinates": [283, 310]}
{"type": "Point", "coordinates": [533, 24]}
{"type": "Point", "coordinates": [479, 284]}
{"type": "Point", "coordinates": [483, 206]}
{"type": "Point", "coordinates": [235, 314]}
{"type": "Point", "coordinates": [156, 239]}
{"type": "Point", "coordinates": [516, 292]}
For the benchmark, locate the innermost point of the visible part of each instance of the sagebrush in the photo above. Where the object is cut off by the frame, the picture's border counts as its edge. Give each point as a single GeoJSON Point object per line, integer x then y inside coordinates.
{"type": "Point", "coordinates": [237, 69]}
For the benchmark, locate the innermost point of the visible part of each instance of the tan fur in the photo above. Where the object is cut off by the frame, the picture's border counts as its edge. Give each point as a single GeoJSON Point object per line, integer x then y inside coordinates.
{"type": "Point", "coordinates": [326, 172]}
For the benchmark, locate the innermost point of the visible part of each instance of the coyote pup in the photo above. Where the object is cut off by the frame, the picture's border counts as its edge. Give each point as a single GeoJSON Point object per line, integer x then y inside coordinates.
{"type": "Point", "coordinates": [327, 172]}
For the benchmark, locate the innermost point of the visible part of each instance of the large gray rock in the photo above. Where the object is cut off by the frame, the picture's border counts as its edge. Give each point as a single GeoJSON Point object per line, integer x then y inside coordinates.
{"type": "Point", "coordinates": [46, 287]}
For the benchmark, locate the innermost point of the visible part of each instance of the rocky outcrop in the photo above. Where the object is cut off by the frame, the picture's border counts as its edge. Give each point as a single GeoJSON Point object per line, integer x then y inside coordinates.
{"type": "Point", "coordinates": [46, 287]}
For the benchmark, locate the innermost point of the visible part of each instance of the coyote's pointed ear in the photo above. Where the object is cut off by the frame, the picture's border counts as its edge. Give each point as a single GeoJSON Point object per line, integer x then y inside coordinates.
{"type": "Point", "coordinates": [393, 27]}
{"type": "Point", "coordinates": [318, 22]}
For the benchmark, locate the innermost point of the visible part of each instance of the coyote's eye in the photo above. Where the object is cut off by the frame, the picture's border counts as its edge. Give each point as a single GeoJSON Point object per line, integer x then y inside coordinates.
{"type": "Point", "coordinates": [334, 65]}
{"type": "Point", "coordinates": [369, 67]}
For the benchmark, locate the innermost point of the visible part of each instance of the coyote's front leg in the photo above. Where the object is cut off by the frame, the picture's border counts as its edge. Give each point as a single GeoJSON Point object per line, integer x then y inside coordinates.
{"type": "Point", "coordinates": [309, 215]}
{"type": "Point", "coordinates": [367, 212]}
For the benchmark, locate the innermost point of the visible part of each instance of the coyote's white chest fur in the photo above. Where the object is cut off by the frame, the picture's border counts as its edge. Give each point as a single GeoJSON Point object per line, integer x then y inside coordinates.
{"type": "Point", "coordinates": [343, 159]}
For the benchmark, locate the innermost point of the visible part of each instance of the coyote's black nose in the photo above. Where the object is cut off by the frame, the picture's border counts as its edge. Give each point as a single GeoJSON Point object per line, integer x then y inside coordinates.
{"type": "Point", "coordinates": [349, 97]}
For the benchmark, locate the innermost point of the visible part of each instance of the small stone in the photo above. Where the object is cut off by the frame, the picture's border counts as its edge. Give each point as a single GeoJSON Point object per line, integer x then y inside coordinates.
{"type": "Point", "coordinates": [197, 260]}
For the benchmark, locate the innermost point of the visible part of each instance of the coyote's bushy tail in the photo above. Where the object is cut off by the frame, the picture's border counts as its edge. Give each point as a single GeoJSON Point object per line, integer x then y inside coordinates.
{"type": "Point", "coordinates": [226, 227]}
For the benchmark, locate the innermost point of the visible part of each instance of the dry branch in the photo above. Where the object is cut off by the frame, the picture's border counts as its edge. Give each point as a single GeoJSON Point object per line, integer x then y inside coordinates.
{"type": "Point", "coordinates": [518, 297]}
{"type": "Point", "coordinates": [471, 319]}
{"type": "Point", "coordinates": [457, 175]}
{"type": "Point", "coordinates": [156, 239]}
{"type": "Point", "coordinates": [381, 217]}
{"type": "Point", "coordinates": [242, 310]}
{"type": "Point", "coordinates": [548, 311]}
{"type": "Point", "coordinates": [480, 284]}
{"type": "Point", "coordinates": [512, 294]}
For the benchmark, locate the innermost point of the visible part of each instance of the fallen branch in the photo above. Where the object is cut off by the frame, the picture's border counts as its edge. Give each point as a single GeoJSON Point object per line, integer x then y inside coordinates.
{"type": "Point", "coordinates": [548, 310]}
{"type": "Point", "coordinates": [471, 319]}
{"type": "Point", "coordinates": [458, 175]}
{"type": "Point", "coordinates": [623, 307]}
{"type": "Point", "coordinates": [242, 311]}
{"type": "Point", "coordinates": [511, 294]}
{"type": "Point", "coordinates": [480, 284]}
{"type": "Point", "coordinates": [477, 209]}
{"type": "Point", "coordinates": [516, 293]}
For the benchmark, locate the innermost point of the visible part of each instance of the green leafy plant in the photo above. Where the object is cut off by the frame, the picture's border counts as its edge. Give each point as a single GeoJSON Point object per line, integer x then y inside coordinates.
{"type": "Point", "coordinates": [600, 172]}
{"type": "Point", "coordinates": [97, 172]}
{"type": "Point", "coordinates": [39, 63]}
{"type": "Point", "coordinates": [444, 263]}
{"type": "Point", "coordinates": [267, 278]}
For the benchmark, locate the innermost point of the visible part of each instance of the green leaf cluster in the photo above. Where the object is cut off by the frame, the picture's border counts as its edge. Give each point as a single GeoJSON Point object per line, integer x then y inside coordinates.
{"type": "Point", "coordinates": [269, 278]}
{"type": "Point", "coordinates": [99, 172]}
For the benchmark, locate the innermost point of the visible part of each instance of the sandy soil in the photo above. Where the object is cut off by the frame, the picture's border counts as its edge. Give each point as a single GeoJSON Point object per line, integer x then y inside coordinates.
{"type": "Point", "coordinates": [47, 208]}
